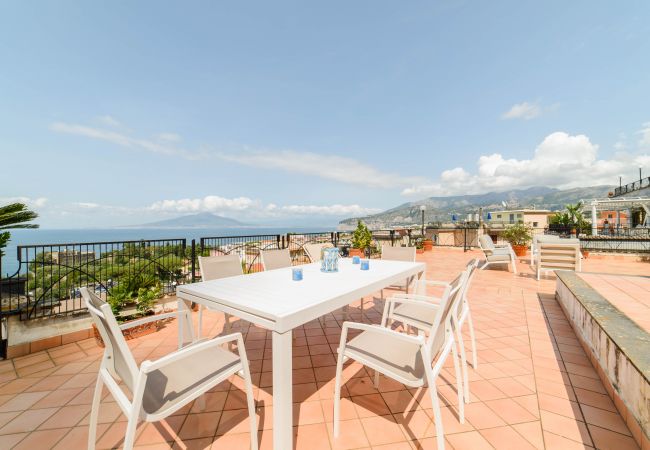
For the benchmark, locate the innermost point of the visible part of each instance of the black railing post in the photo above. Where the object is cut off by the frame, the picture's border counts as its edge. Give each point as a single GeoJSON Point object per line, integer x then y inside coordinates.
{"type": "Point", "coordinates": [392, 238]}
{"type": "Point", "coordinates": [465, 240]}
{"type": "Point", "coordinates": [193, 263]}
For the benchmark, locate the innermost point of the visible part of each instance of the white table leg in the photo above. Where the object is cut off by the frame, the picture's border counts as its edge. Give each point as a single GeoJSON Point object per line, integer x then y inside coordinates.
{"type": "Point", "coordinates": [185, 327]}
{"type": "Point", "coordinates": [282, 391]}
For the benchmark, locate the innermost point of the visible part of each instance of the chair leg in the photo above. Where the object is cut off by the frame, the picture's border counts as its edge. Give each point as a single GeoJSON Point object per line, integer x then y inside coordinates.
{"type": "Point", "coordinates": [337, 393]}
{"type": "Point", "coordinates": [251, 407]}
{"type": "Point", "coordinates": [94, 413]}
{"type": "Point", "coordinates": [435, 404]}
{"type": "Point", "coordinates": [463, 363]}
{"type": "Point", "coordinates": [514, 265]}
{"type": "Point", "coordinates": [129, 436]}
{"type": "Point", "coordinates": [473, 338]}
{"type": "Point", "coordinates": [200, 324]}
{"type": "Point", "coordinates": [459, 383]}
{"type": "Point", "coordinates": [376, 380]}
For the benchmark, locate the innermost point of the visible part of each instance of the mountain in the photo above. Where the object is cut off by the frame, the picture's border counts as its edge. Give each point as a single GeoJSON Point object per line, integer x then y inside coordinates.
{"type": "Point", "coordinates": [201, 220]}
{"type": "Point", "coordinates": [440, 209]}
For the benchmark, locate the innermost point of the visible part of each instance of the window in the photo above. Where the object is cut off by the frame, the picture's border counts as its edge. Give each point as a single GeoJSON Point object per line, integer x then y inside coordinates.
{"type": "Point", "coordinates": [535, 224]}
{"type": "Point", "coordinates": [498, 216]}
{"type": "Point", "coordinates": [512, 218]}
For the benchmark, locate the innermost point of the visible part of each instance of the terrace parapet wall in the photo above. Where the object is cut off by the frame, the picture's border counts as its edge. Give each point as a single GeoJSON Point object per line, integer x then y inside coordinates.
{"type": "Point", "coordinates": [617, 346]}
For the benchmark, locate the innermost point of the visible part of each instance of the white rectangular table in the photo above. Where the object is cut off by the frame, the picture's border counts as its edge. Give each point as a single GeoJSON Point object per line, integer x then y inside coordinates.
{"type": "Point", "coordinates": [273, 300]}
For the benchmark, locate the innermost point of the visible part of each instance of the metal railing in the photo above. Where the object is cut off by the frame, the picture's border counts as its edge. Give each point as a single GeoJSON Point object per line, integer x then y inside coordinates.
{"type": "Point", "coordinates": [49, 276]}
{"type": "Point", "coordinates": [631, 187]}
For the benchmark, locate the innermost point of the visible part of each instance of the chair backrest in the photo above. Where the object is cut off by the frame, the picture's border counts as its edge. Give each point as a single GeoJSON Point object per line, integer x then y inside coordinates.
{"type": "Point", "coordinates": [559, 255]}
{"type": "Point", "coordinates": [539, 238]}
{"type": "Point", "coordinates": [441, 327]}
{"type": "Point", "coordinates": [222, 266]}
{"type": "Point", "coordinates": [398, 253]}
{"type": "Point", "coordinates": [485, 242]}
{"type": "Point", "coordinates": [470, 268]}
{"type": "Point", "coordinates": [117, 357]}
{"type": "Point", "coordinates": [313, 251]}
{"type": "Point", "coordinates": [275, 259]}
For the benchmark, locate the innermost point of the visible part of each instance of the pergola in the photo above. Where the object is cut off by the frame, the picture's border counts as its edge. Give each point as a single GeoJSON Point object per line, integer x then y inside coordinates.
{"type": "Point", "coordinates": [617, 204]}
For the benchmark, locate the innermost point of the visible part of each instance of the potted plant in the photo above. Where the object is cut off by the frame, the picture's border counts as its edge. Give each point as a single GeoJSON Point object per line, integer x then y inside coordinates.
{"type": "Point", "coordinates": [135, 291]}
{"type": "Point", "coordinates": [519, 236]}
{"type": "Point", "coordinates": [361, 240]}
{"type": "Point", "coordinates": [419, 246]}
{"type": "Point", "coordinates": [427, 244]}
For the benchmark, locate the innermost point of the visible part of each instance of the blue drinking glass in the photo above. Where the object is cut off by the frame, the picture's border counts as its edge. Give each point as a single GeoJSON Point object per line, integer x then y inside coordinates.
{"type": "Point", "coordinates": [296, 274]}
{"type": "Point", "coordinates": [365, 264]}
{"type": "Point", "coordinates": [356, 260]}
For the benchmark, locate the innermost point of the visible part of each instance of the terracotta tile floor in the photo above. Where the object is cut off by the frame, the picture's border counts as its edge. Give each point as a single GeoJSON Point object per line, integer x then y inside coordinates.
{"type": "Point", "coordinates": [534, 386]}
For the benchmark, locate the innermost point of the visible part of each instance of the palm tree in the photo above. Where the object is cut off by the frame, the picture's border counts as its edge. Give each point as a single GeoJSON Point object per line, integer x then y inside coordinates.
{"type": "Point", "coordinates": [575, 212]}
{"type": "Point", "coordinates": [12, 216]}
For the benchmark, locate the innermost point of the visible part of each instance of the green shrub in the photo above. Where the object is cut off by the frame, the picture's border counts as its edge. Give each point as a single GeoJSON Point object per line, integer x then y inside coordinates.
{"type": "Point", "coordinates": [362, 237]}
{"type": "Point", "coordinates": [518, 234]}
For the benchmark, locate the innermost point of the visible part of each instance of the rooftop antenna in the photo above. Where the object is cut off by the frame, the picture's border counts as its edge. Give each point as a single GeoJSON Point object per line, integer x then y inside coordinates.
{"type": "Point", "coordinates": [503, 202]}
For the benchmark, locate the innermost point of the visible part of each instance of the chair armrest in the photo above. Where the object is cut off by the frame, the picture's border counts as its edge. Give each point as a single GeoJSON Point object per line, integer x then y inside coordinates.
{"type": "Point", "coordinates": [380, 330]}
{"type": "Point", "coordinates": [186, 352]}
{"type": "Point", "coordinates": [434, 283]}
{"type": "Point", "coordinates": [418, 297]}
{"type": "Point", "coordinates": [426, 302]}
{"type": "Point", "coordinates": [148, 319]}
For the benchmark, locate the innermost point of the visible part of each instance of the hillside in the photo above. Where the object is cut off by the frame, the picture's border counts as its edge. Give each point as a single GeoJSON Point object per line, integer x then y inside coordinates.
{"type": "Point", "coordinates": [441, 208]}
{"type": "Point", "coordinates": [201, 220]}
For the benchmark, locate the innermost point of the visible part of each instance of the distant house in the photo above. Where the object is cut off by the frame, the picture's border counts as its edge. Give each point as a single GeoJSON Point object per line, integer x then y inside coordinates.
{"type": "Point", "coordinates": [536, 218]}
{"type": "Point", "coordinates": [72, 257]}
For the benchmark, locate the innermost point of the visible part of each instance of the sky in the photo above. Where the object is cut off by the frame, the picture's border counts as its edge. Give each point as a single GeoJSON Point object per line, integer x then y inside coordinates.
{"type": "Point", "coordinates": [120, 113]}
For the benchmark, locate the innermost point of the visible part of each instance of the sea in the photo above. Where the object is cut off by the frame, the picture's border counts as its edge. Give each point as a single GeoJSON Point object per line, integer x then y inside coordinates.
{"type": "Point", "coordinates": [42, 236]}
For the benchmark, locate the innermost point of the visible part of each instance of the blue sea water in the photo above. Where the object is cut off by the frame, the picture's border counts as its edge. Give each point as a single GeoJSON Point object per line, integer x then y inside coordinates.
{"type": "Point", "coordinates": [42, 236]}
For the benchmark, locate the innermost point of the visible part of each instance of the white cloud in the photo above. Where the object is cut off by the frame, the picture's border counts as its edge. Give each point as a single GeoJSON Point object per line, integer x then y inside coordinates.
{"type": "Point", "coordinates": [87, 205]}
{"type": "Point", "coordinates": [210, 203]}
{"type": "Point", "coordinates": [249, 207]}
{"type": "Point", "coordinates": [109, 121]}
{"type": "Point", "coordinates": [644, 142]}
{"type": "Point", "coordinates": [124, 140]}
{"type": "Point", "coordinates": [328, 210]}
{"type": "Point", "coordinates": [330, 167]}
{"type": "Point", "coordinates": [560, 160]}
{"type": "Point", "coordinates": [523, 110]}
{"type": "Point", "coordinates": [169, 137]}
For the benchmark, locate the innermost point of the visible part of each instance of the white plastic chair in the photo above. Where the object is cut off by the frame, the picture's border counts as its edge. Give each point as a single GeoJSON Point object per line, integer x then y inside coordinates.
{"type": "Point", "coordinates": [275, 259]}
{"type": "Point", "coordinates": [214, 268]}
{"type": "Point", "coordinates": [398, 254]}
{"type": "Point", "coordinates": [313, 251]}
{"type": "Point", "coordinates": [161, 387]}
{"type": "Point", "coordinates": [422, 318]}
{"type": "Point", "coordinates": [561, 255]}
{"type": "Point", "coordinates": [501, 254]}
{"type": "Point", "coordinates": [406, 358]}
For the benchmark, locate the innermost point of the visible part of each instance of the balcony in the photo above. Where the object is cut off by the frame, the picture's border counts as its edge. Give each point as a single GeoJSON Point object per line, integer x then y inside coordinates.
{"type": "Point", "coordinates": [535, 385]}
{"type": "Point", "coordinates": [632, 187]}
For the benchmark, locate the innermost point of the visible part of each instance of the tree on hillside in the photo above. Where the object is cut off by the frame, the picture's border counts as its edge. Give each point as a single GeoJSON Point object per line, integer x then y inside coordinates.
{"type": "Point", "coordinates": [13, 216]}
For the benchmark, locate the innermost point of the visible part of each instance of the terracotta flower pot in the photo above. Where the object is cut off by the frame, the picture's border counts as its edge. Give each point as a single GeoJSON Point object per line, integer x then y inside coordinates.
{"type": "Point", "coordinates": [419, 251]}
{"type": "Point", "coordinates": [356, 252]}
{"type": "Point", "coordinates": [520, 250]}
{"type": "Point", "coordinates": [428, 245]}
